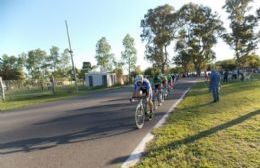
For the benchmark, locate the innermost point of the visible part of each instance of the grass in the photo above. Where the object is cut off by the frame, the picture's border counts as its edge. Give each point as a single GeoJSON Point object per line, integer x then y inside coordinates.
{"type": "Point", "coordinates": [204, 134]}
{"type": "Point", "coordinates": [17, 99]}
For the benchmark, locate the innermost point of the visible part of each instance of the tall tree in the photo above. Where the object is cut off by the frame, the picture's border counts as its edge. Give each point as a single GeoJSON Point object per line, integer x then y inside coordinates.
{"type": "Point", "coordinates": [104, 56]}
{"type": "Point", "coordinates": [183, 57]}
{"type": "Point", "coordinates": [129, 54]}
{"type": "Point", "coordinates": [243, 38]}
{"type": "Point", "coordinates": [54, 58]}
{"type": "Point", "coordinates": [36, 65]}
{"type": "Point", "coordinates": [63, 65]}
{"type": "Point", "coordinates": [158, 31]}
{"type": "Point", "coordinates": [200, 27]}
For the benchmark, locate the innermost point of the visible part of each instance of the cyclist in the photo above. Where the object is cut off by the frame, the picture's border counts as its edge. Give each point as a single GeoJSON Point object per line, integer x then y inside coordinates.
{"type": "Point", "coordinates": [157, 88]}
{"type": "Point", "coordinates": [174, 78]}
{"type": "Point", "coordinates": [170, 85]}
{"type": "Point", "coordinates": [142, 84]}
{"type": "Point", "coordinates": [164, 86]}
{"type": "Point", "coordinates": [164, 81]}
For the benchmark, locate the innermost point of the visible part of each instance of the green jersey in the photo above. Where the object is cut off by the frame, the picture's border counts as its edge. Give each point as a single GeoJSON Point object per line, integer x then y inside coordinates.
{"type": "Point", "coordinates": [157, 80]}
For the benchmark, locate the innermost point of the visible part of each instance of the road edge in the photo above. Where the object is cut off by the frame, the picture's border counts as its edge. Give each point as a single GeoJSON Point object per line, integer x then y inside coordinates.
{"type": "Point", "coordinates": [140, 149]}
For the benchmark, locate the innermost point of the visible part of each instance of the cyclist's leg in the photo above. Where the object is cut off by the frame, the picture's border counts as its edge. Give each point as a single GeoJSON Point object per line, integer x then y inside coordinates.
{"type": "Point", "coordinates": [150, 102]}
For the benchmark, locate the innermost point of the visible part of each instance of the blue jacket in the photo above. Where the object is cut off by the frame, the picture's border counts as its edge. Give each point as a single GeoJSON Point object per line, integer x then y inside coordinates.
{"type": "Point", "coordinates": [214, 79]}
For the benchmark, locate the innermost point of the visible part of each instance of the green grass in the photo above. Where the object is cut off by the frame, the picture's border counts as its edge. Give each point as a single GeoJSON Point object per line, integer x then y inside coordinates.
{"type": "Point", "coordinates": [17, 99]}
{"type": "Point", "coordinates": [204, 134]}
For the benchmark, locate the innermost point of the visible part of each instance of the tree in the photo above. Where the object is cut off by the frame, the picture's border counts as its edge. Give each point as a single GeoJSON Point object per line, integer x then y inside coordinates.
{"type": "Point", "coordinates": [137, 71]}
{"type": "Point", "coordinates": [103, 56]}
{"type": "Point", "coordinates": [251, 61]}
{"type": "Point", "coordinates": [152, 71]}
{"type": "Point", "coordinates": [228, 64]}
{"type": "Point", "coordinates": [86, 67]}
{"type": "Point", "coordinates": [37, 66]}
{"type": "Point", "coordinates": [71, 74]}
{"type": "Point", "coordinates": [242, 38]}
{"type": "Point", "coordinates": [63, 65]}
{"type": "Point", "coordinates": [200, 28]}
{"type": "Point", "coordinates": [176, 70]}
{"type": "Point", "coordinates": [54, 58]}
{"type": "Point", "coordinates": [129, 54]}
{"type": "Point", "coordinates": [11, 68]}
{"type": "Point", "coordinates": [183, 57]}
{"type": "Point", "coordinates": [158, 31]}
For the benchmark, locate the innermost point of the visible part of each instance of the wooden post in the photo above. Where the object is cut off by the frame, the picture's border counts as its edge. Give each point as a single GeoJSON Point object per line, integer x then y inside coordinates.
{"type": "Point", "coordinates": [2, 89]}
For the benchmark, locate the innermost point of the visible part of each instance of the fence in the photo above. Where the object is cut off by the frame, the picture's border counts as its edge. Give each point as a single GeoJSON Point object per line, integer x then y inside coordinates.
{"type": "Point", "coordinates": [21, 90]}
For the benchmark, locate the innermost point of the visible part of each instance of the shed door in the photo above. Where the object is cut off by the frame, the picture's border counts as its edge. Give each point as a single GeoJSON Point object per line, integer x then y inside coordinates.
{"type": "Point", "coordinates": [104, 80]}
{"type": "Point", "coordinates": [90, 79]}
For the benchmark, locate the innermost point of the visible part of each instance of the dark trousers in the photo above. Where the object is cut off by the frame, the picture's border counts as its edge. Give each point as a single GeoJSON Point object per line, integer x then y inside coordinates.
{"type": "Point", "coordinates": [225, 79]}
{"type": "Point", "coordinates": [215, 93]}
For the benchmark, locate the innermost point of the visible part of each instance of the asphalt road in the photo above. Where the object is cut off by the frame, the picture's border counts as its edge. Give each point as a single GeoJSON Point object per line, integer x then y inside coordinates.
{"type": "Point", "coordinates": [96, 130]}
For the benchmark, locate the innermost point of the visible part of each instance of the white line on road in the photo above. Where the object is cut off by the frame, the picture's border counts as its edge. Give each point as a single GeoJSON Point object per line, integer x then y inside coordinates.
{"type": "Point", "coordinates": [139, 150]}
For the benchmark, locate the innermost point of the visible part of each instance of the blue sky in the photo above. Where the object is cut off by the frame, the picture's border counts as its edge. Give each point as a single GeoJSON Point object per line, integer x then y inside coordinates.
{"type": "Point", "coordinates": [31, 24]}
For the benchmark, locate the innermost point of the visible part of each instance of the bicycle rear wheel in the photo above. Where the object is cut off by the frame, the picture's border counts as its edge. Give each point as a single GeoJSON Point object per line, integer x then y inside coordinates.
{"type": "Point", "coordinates": [155, 102]}
{"type": "Point", "coordinates": [139, 117]}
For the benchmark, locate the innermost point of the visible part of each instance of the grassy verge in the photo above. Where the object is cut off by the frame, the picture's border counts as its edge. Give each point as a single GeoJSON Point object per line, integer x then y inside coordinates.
{"type": "Point", "coordinates": [23, 98]}
{"type": "Point", "coordinates": [204, 134]}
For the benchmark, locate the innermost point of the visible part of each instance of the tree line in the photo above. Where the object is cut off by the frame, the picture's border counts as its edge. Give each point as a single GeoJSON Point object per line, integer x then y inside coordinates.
{"type": "Point", "coordinates": [193, 30]}
{"type": "Point", "coordinates": [41, 66]}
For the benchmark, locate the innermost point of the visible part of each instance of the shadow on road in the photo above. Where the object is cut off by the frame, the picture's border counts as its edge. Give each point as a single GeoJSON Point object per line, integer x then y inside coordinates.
{"type": "Point", "coordinates": [83, 125]}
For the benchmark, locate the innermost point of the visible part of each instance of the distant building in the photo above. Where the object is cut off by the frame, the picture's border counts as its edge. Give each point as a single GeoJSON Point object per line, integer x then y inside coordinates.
{"type": "Point", "coordinates": [100, 79]}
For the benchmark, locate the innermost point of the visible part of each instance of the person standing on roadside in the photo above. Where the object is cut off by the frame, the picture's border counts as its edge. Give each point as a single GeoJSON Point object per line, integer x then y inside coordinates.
{"type": "Point", "coordinates": [225, 79]}
{"type": "Point", "coordinates": [214, 84]}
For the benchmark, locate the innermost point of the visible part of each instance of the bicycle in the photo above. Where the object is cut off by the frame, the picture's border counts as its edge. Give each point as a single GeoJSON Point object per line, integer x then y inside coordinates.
{"type": "Point", "coordinates": [141, 111]}
{"type": "Point", "coordinates": [157, 98]}
{"type": "Point", "coordinates": [164, 93]}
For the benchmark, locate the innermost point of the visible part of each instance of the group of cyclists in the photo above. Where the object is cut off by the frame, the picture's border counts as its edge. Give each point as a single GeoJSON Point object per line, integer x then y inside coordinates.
{"type": "Point", "coordinates": [155, 90]}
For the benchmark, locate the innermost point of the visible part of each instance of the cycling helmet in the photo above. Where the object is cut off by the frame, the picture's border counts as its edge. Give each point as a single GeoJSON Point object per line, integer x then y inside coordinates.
{"type": "Point", "coordinates": [139, 78]}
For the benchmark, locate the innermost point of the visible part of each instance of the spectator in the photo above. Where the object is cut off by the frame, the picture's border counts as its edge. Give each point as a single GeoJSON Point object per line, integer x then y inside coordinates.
{"type": "Point", "coordinates": [225, 79]}
{"type": "Point", "coordinates": [214, 84]}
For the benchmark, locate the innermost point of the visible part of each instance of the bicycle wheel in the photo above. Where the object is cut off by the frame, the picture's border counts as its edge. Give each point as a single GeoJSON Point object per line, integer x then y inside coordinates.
{"type": "Point", "coordinates": [155, 102]}
{"type": "Point", "coordinates": [139, 116]}
{"type": "Point", "coordinates": [162, 96]}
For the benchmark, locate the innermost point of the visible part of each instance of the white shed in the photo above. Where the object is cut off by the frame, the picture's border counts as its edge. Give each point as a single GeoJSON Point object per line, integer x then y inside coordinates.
{"type": "Point", "coordinates": [100, 79]}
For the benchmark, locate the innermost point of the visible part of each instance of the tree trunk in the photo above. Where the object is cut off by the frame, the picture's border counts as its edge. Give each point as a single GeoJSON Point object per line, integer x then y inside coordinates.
{"type": "Point", "coordinates": [129, 71]}
{"type": "Point", "coordinates": [2, 89]}
{"type": "Point", "coordinates": [162, 68]}
{"type": "Point", "coordinates": [53, 84]}
{"type": "Point", "coordinates": [165, 58]}
{"type": "Point", "coordinates": [198, 70]}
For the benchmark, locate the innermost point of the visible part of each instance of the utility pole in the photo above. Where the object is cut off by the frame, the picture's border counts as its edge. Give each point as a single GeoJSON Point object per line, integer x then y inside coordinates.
{"type": "Point", "coordinates": [71, 55]}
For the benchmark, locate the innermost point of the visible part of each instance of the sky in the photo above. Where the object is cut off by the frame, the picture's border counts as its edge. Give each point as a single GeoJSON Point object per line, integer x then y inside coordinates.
{"type": "Point", "coordinates": [30, 24]}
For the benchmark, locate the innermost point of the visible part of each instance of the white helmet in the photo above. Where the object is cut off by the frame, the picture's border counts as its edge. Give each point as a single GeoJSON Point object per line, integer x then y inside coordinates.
{"type": "Point", "coordinates": [139, 78]}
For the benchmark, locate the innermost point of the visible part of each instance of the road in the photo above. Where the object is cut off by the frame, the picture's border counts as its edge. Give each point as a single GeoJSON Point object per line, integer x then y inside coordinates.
{"type": "Point", "coordinates": [96, 130]}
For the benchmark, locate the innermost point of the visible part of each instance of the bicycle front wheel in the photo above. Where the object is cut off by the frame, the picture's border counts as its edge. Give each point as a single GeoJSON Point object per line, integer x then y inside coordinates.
{"type": "Point", "coordinates": [139, 116]}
